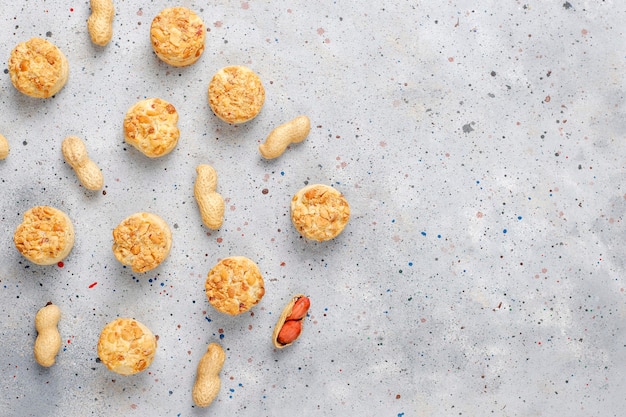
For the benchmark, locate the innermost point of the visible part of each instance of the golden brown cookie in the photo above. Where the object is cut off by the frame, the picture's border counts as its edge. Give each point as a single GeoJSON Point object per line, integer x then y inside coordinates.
{"type": "Point", "coordinates": [142, 241]}
{"type": "Point", "coordinates": [319, 212]}
{"type": "Point", "coordinates": [234, 285]}
{"type": "Point", "coordinates": [177, 36]}
{"type": "Point", "coordinates": [236, 94]}
{"type": "Point", "coordinates": [38, 68]}
{"type": "Point", "coordinates": [46, 235]}
{"type": "Point", "coordinates": [126, 346]}
{"type": "Point", "coordinates": [150, 126]}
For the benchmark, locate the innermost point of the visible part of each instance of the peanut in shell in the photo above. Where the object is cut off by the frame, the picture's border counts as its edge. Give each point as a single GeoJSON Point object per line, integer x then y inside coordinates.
{"type": "Point", "coordinates": [286, 316]}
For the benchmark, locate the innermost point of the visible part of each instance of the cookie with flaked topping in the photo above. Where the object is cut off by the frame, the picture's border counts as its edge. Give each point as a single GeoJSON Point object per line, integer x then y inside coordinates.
{"type": "Point", "coordinates": [319, 212]}
{"type": "Point", "coordinates": [142, 241]}
{"type": "Point", "coordinates": [234, 285]}
{"type": "Point", "coordinates": [45, 236]}
{"type": "Point", "coordinates": [177, 35]}
{"type": "Point", "coordinates": [126, 346]}
{"type": "Point", "coordinates": [150, 126]}
{"type": "Point", "coordinates": [38, 68]}
{"type": "Point", "coordinates": [236, 94]}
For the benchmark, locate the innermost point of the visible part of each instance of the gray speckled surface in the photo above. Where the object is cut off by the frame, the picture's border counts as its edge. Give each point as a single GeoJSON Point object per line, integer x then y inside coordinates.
{"type": "Point", "coordinates": [481, 146]}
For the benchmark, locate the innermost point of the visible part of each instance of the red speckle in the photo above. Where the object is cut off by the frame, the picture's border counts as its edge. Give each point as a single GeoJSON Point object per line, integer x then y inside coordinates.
{"type": "Point", "coordinates": [71, 9]}
{"type": "Point", "coordinates": [217, 24]}
{"type": "Point", "coordinates": [220, 331]}
{"type": "Point", "coordinates": [133, 406]}
{"type": "Point", "coordinates": [60, 264]}
{"type": "Point", "coordinates": [282, 264]}
{"type": "Point", "coordinates": [93, 284]}
{"type": "Point", "coordinates": [547, 99]}
{"type": "Point", "coordinates": [383, 144]}
{"type": "Point", "coordinates": [232, 208]}
{"type": "Point", "coordinates": [140, 12]}
{"type": "Point", "coordinates": [423, 320]}
{"type": "Point", "coordinates": [327, 40]}
{"type": "Point", "coordinates": [584, 32]}
{"type": "Point", "coordinates": [245, 5]}
{"type": "Point", "coordinates": [539, 343]}
{"type": "Point", "coordinates": [451, 59]}
{"type": "Point", "coordinates": [219, 240]}
{"type": "Point", "coordinates": [69, 341]}
{"type": "Point", "coordinates": [320, 31]}
{"type": "Point", "coordinates": [479, 214]}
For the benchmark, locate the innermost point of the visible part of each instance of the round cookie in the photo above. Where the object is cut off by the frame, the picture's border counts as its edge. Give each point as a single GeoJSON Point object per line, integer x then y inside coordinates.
{"type": "Point", "coordinates": [45, 236]}
{"type": "Point", "coordinates": [319, 212]}
{"type": "Point", "coordinates": [38, 68]}
{"type": "Point", "coordinates": [126, 346]}
{"type": "Point", "coordinates": [234, 285]}
{"type": "Point", "coordinates": [236, 94]}
{"type": "Point", "coordinates": [177, 36]}
{"type": "Point", "coordinates": [142, 241]}
{"type": "Point", "coordinates": [150, 126]}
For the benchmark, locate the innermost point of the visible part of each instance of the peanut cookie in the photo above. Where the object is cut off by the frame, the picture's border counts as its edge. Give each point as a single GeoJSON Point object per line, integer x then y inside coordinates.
{"type": "Point", "coordinates": [319, 212]}
{"type": "Point", "coordinates": [38, 68]}
{"type": "Point", "coordinates": [142, 241]}
{"type": "Point", "coordinates": [46, 236]}
{"type": "Point", "coordinates": [236, 94]}
{"type": "Point", "coordinates": [150, 126]}
{"type": "Point", "coordinates": [126, 346]}
{"type": "Point", "coordinates": [234, 285]}
{"type": "Point", "coordinates": [177, 36]}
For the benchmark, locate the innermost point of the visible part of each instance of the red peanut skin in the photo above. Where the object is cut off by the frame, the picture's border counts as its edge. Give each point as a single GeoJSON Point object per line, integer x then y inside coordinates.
{"type": "Point", "coordinates": [299, 309]}
{"type": "Point", "coordinates": [290, 331]}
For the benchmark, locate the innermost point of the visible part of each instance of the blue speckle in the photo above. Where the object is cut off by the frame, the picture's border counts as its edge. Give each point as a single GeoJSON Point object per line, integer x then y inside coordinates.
{"type": "Point", "coordinates": [393, 220]}
{"type": "Point", "coordinates": [400, 414]}
{"type": "Point", "coordinates": [519, 217]}
{"type": "Point", "coordinates": [162, 284]}
{"type": "Point", "coordinates": [208, 319]}
{"type": "Point", "coordinates": [410, 263]}
{"type": "Point", "coordinates": [150, 280]}
{"type": "Point", "coordinates": [232, 390]}
{"type": "Point", "coordinates": [282, 173]}
{"type": "Point", "coordinates": [222, 336]}
{"type": "Point", "coordinates": [423, 233]}
{"type": "Point", "coordinates": [477, 182]}
{"type": "Point", "coordinates": [504, 231]}
{"type": "Point", "coordinates": [438, 236]}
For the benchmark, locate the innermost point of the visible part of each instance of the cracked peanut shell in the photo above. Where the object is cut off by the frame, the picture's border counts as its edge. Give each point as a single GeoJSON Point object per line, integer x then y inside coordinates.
{"type": "Point", "coordinates": [283, 318]}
